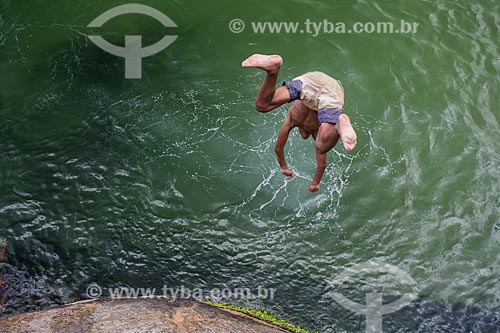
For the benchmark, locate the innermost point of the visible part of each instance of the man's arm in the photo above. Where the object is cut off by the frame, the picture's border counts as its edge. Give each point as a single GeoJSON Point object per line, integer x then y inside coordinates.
{"type": "Point", "coordinates": [286, 127]}
{"type": "Point", "coordinates": [320, 171]}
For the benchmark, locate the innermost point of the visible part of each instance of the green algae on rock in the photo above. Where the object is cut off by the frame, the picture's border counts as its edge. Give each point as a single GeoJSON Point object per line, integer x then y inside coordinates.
{"type": "Point", "coordinates": [263, 315]}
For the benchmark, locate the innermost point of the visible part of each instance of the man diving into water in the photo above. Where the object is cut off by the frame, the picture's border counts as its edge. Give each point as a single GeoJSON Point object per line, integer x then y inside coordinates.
{"type": "Point", "coordinates": [317, 111]}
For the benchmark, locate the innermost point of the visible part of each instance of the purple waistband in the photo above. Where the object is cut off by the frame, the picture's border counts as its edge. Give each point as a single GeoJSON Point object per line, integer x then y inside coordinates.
{"type": "Point", "coordinates": [294, 89]}
{"type": "Point", "coordinates": [329, 115]}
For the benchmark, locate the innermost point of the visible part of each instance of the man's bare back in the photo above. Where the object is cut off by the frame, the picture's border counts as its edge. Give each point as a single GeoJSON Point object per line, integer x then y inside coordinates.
{"type": "Point", "coordinates": [306, 120]}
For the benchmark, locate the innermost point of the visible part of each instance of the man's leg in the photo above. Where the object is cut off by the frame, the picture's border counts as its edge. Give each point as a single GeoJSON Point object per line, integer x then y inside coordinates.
{"type": "Point", "coordinates": [347, 133]}
{"type": "Point", "coordinates": [268, 97]}
{"type": "Point", "coordinates": [329, 134]}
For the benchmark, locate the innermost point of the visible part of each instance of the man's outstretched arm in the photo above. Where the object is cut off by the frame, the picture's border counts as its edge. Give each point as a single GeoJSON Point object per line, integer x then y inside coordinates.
{"type": "Point", "coordinates": [286, 127]}
{"type": "Point", "coordinates": [320, 171]}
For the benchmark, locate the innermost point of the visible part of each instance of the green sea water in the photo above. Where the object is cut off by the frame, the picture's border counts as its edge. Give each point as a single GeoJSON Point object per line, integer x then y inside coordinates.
{"type": "Point", "coordinates": [172, 179]}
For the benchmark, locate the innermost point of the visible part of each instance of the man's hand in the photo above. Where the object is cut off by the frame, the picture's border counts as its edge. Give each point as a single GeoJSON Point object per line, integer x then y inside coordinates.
{"type": "Point", "coordinates": [287, 172]}
{"type": "Point", "coordinates": [313, 188]}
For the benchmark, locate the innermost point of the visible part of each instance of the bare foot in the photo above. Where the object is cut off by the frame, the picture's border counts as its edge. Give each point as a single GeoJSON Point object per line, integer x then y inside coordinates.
{"type": "Point", "coordinates": [313, 188]}
{"type": "Point", "coordinates": [269, 63]}
{"type": "Point", "coordinates": [287, 172]}
{"type": "Point", "coordinates": [347, 133]}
